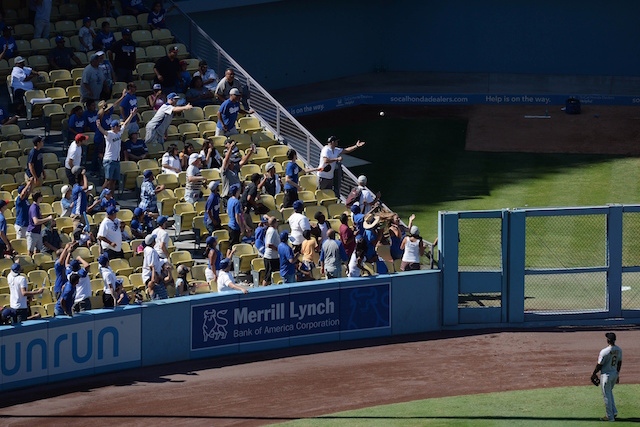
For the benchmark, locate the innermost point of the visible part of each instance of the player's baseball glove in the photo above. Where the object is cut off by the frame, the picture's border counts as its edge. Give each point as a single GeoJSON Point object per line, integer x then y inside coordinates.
{"type": "Point", "coordinates": [595, 380]}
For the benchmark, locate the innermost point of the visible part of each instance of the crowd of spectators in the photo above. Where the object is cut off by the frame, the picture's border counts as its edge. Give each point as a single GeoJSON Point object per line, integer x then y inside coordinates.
{"type": "Point", "coordinates": [297, 248]}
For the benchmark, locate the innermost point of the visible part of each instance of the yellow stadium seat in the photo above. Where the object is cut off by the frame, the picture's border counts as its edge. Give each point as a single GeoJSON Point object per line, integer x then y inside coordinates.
{"type": "Point", "coordinates": [24, 47]}
{"type": "Point", "coordinates": [127, 21]}
{"type": "Point", "coordinates": [73, 92]}
{"type": "Point", "coordinates": [23, 31]}
{"type": "Point", "coordinates": [211, 112]}
{"type": "Point", "coordinates": [326, 197]}
{"type": "Point", "coordinates": [169, 180]}
{"type": "Point", "coordinates": [155, 52]}
{"type": "Point", "coordinates": [195, 115]}
{"type": "Point", "coordinates": [10, 164]}
{"type": "Point", "coordinates": [66, 28]}
{"type": "Point", "coordinates": [69, 10]}
{"type": "Point", "coordinates": [263, 139]}
{"type": "Point", "coordinates": [188, 130]}
{"type": "Point", "coordinates": [336, 210]}
{"type": "Point", "coordinates": [129, 172]}
{"type": "Point", "coordinates": [207, 129]}
{"type": "Point", "coordinates": [181, 258]}
{"type": "Point", "coordinates": [112, 22]}
{"type": "Point", "coordinates": [308, 197]}
{"type": "Point", "coordinates": [50, 161]}
{"type": "Point", "coordinates": [310, 211]}
{"type": "Point", "coordinates": [277, 150]}
{"type": "Point", "coordinates": [10, 149]}
{"type": "Point", "coordinates": [243, 255]}
{"type": "Point", "coordinates": [83, 252]}
{"type": "Point", "coordinates": [183, 214]}
{"type": "Point", "coordinates": [121, 267]}
{"type": "Point", "coordinates": [308, 182]}
{"type": "Point", "coordinates": [162, 36]}
{"type": "Point", "coordinates": [44, 262]}
{"type": "Point", "coordinates": [249, 125]}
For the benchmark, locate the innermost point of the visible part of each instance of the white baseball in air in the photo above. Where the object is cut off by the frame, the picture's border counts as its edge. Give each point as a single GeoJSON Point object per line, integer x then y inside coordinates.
{"type": "Point", "coordinates": [381, 113]}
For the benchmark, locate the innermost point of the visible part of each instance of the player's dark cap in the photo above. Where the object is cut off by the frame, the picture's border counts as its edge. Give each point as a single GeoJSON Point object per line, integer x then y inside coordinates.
{"type": "Point", "coordinates": [610, 336]}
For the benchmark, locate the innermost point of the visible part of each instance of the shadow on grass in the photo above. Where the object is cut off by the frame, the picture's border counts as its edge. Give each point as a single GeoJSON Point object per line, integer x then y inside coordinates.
{"type": "Point", "coordinates": [416, 160]}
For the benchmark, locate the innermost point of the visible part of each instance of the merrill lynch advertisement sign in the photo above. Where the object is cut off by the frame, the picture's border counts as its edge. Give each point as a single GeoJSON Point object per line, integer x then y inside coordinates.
{"type": "Point", "coordinates": [292, 315]}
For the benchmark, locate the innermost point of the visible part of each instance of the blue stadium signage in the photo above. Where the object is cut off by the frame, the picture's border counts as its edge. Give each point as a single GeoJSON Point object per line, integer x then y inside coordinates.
{"type": "Point", "coordinates": [255, 319]}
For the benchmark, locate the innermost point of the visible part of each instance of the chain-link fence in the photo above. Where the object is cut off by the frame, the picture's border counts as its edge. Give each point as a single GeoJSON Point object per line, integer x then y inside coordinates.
{"type": "Point", "coordinates": [555, 244]}
{"type": "Point", "coordinates": [631, 259]}
{"type": "Point", "coordinates": [480, 244]}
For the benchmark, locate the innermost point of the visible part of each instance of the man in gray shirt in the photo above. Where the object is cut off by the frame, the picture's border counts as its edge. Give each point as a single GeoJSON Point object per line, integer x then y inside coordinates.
{"type": "Point", "coordinates": [159, 123]}
{"type": "Point", "coordinates": [92, 80]}
{"type": "Point", "coordinates": [332, 256]}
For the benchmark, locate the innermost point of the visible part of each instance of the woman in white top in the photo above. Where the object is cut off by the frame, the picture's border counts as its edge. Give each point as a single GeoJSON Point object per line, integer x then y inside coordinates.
{"type": "Point", "coordinates": [357, 258]}
{"type": "Point", "coordinates": [171, 160]}
{"type": "Point", "coordinates": [413, 248]}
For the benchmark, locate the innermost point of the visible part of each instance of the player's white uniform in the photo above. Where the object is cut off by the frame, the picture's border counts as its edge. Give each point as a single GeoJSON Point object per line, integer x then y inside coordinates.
{"type": "Point", "coordinates": [609, 358]}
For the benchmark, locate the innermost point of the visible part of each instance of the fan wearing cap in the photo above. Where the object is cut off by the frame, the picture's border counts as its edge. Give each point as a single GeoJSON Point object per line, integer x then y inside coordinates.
{"type": "Point", "coordinates": [90, 116]}
{"type": "Point", "coordinates": [331, 154]}
{"type": "Point", "coordinates": [82, 300]}
{"type": "Point", "coordinates": [51, 240]}
{"type": "Point", "coordinates": [123, 57]}
{"type": "Point", "coordinates": [210, 154]}
{"type": "Point", "coordinates": [22, 210]}
{"type": "Point", "coordinates": [92, 81]}
{"type": "Point", "coordinates": [358, 220]}
{"type": "Point", "coordinates": [214, 256]}
{"type": "Point", "coordinates": [35, 165]}
{"type": "Point", "coordinates": [64, 303]}
{"type": "Point", "coordinates": [413, 248]}
{"type": "Point", "coordinates": [212, 208]}
{"type": "Point", "coordinates": [236, 220]}
{"type": "Point", "coordinates": [270, 180]}
{"type": "Point", "coordinates": [157, 127]}
{"type": "Point", "coordinates": [609, 364]}
{"type": "Point", "coordinates": [5, 244]}
{"type": "Point", "coordinates": [60, 56]}
{"type": "Point", "coordinates": [148, 193]}
{"type": "Point", "coordinates": [113, 142]}
{"type": "Point", "coordinates": [225, 279]}
{"type": "Point", "coordinates": [141, 223]}
{"type": "Point", "coordinates": [152, 270]}
{"type": "Point", "coordinates": [271, 257]}
{"type": "Point", "coordinates": [8, 43]}
{"type": "Point", "coordinates": [109, 75]}
{"type": "Point", "coordinates": [74, 156]}
{"type": "Point", "coordinates": [77, 124]}
{"type": "Point", "coordinates": [228, 114]}
{"type": "Point", "coordinates": [18, 292]}
{"type": "Point", "coordinates": [260, 234]}
{"type": "Point", "coordinates": [105, 37]}
{"type": "Point", "coordinates": [287, 259]}
{"type": "Point", "coordinates": [185, 80]}
{"type": "Point", "coordinates": [167, 69]}
{"type": "Point", "coordinates": [109, 234]}
{"type": "Point", "coordinates": [157, 98]}
{"type": "Point", "coordinates": [162, 238]}
{"type": "Point", "coordinates": [298, 223]}
{"type": "Point", "coordinates": [291, 178]}
{"type": "Point", "coordinates": [231, 164]}
{"type": "Point", "coordinates": [372, 235]}
{"type": "Point", "coordinates": [183, 288]}
{"type": "Point", "coordinates": [130, 102]}
{"type": "Point", "coordinates": [86, 34]}
{"type": "Point", "coordinates": [21, 81]}
{"type": "Point", "coordinates": [195, 180]}
{"type": "Point", "coordinates": [367, 198]}
{"type": "Point", "coordinates": [105, 111]}
{"type": "Point", "coordinates": [332, 255]}
{"type": "Point", "coordinates": [34, 230]}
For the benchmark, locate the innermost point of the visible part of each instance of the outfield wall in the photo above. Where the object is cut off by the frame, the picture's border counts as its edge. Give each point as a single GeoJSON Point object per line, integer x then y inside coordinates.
{"type": "Point", "coordinates": [200, 326]}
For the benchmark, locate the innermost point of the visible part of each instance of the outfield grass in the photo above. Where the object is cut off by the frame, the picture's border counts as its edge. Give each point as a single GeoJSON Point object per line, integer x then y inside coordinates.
{"type": "Point", "coordinates": [421, 167]}
{"type": "Point", "coordinates": [567, 406]}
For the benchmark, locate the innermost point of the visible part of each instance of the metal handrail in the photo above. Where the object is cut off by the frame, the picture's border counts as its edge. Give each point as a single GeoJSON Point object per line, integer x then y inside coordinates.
{"type": "Point", "coordinates": [268, 110]}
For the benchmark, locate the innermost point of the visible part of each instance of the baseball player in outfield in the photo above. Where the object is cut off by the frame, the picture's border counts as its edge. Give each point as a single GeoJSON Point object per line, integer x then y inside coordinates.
{"type": "Point", "coordinates": [609, 363]}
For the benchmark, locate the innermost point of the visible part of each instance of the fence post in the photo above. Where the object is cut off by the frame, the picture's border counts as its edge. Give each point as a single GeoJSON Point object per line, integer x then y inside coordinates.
{"type": "Point", "coordinates": [516, 263]}
{"type": "Point", "coordinates": [504, 243]}
{"type": "Point", "coordinates": [448, 262]}
{"type": "Point", "coordinates": [614, 256]}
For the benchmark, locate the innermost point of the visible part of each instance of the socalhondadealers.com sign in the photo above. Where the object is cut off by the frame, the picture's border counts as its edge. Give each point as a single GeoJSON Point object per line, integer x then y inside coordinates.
{"type": "Point", "coordinates": [296, 314]}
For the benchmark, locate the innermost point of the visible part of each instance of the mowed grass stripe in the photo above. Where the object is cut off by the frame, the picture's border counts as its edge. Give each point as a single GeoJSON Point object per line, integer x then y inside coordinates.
{"type": "Point", "coordinates": [566, 406]}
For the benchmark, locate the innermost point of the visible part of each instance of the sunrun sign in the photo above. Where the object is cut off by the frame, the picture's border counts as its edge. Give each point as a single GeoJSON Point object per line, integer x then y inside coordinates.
{"type": "Point", "coordinates": [296, 314]}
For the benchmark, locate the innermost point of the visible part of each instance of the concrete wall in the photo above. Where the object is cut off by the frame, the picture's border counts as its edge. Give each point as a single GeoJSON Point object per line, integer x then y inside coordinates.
{"type": "Point", "coordinates": [290, 42]}
{"type": "Point", "coordinates": [99, 341]}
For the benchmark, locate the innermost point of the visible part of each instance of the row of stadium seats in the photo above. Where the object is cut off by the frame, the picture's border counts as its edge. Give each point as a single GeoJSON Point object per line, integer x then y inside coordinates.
{"type": "Point", "coordinates": [70, 25]}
